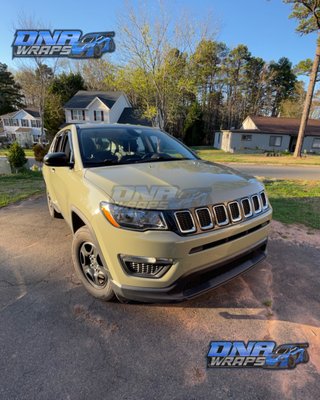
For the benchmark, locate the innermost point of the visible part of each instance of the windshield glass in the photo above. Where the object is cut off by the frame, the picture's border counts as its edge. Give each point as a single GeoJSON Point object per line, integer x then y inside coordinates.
{"type": "Point", "coordinates": [127, 145]}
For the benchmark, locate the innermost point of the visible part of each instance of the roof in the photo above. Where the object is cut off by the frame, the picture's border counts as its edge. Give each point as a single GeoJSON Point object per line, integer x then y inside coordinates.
{"type": "Point", "coordinates": [280, 125]}
{"type": "Point", "coordinates": [101, 126]}
{"type": "Point", "coordinates": [132, 116]}
{"type": "Point", "coordinates": [83, 98]}
{"type": "Point", "coordinates": [32, 111]}
{"type": "Point", "coordinates": [23, 130]}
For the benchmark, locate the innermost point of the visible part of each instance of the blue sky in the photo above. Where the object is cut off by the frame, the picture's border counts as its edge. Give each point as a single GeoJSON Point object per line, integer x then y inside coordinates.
{"type": "Point", "coordinates": [262, 25]}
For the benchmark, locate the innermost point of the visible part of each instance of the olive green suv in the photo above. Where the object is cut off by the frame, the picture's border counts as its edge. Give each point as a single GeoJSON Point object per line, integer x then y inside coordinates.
{"type": "Point", "coordinates": [151, 221]}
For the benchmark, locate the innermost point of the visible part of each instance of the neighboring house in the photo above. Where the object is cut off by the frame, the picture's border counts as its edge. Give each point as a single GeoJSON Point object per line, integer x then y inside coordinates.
{"type": "Point", "coordinates": [268, 134]}
{"type": "Point", "coordinates": [22, 126]}
{"type": "Point", "coordinates": [101, 108]}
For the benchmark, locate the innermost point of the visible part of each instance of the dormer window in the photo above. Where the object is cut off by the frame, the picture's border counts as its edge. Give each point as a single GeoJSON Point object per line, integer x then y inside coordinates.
{"type": "Point", "coordinates": [25, 122]}
{"type": "Point", "coordinates": [78, 115]}
{"type": "Point", "coordinates": [98, 115]}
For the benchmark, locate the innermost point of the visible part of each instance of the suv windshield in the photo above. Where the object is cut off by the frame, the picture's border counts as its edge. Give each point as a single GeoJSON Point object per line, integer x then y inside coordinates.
{"type": "Point", "coordinates": [127, 145]}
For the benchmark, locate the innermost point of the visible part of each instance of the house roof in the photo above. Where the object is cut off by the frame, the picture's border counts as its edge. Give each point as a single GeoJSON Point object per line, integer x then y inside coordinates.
{"type": "Point", "coordinates": [280, 125]}
{"type": "Point", "coordinates": [132, 116]}
{"type": "Point", "coordinates": [23, 130]}
{"type": "Point", "coordinates": [32, 111]}
{"type": "Point", "coordinates": [83, 98]}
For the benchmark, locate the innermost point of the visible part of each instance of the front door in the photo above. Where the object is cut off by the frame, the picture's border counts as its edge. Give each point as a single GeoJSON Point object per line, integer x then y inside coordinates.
{"type": "Point", "coordinates": [292, 144]}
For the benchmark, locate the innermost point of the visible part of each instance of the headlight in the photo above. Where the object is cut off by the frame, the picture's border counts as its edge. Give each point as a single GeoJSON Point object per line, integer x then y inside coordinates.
{"type": "Point", "coordinates": [133, 218]}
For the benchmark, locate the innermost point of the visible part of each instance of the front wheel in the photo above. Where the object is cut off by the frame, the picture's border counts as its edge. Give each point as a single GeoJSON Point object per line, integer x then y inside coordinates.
{"type": "Point", "coordinates": [89, 267]}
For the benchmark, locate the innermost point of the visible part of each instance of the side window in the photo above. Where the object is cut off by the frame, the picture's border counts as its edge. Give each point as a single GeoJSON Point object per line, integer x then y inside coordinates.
{"type": "Point", "coordinates": [57, 143]}
{"type": "Point", "coordinates": [66, 145]}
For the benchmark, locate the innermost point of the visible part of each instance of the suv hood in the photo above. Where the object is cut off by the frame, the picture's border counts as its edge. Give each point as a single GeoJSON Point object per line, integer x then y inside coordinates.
{"type": "Point", "coordinates": [172, 184]}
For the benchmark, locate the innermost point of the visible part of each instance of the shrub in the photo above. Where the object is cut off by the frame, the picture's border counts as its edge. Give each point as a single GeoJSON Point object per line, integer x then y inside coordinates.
{"type": "Point", "coordinates": [16, 156]}
{"type": "Point", "coordinates": [40, 151]}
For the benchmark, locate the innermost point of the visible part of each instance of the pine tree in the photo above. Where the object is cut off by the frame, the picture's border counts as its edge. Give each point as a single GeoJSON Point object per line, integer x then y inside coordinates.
{"type": "Point", "coordinates": [10, 96]}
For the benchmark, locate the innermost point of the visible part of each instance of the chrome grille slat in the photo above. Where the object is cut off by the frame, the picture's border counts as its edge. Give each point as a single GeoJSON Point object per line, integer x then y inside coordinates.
{"type": "Point", "coordinates": [264, 201]}
{"type": "Point", "coordinates": [235, 211]}
{"type": "Point", "coordinates": [256, 203]}
{"type": "Point", "coordinates": [204, 218]}
{"type": "Point", "coordinates": [185, 221]}
{"type": "Point", "coordinates": [221, 215]}
{"type": "Point", "coordinates": [246, 207]}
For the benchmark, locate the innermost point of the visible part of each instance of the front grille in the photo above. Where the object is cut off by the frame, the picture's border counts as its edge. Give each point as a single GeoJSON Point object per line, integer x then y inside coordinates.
{"type": "Point", "coordinates": [246, 206]}
{"type": "Point", "coordinates": [256, 203]}
{"type": "Point", "coordinates": [217, 216]}
{"type": "Point", "coordinates": [235, 211]}
{"type": "Point", "coordinates": [263, 200]}
{"type": "Point", "coordinates": [204, 218]}
{"type": "Point", "coordinates": [221, 215]}
{"type": "Point", "coordinates": [185, 221]}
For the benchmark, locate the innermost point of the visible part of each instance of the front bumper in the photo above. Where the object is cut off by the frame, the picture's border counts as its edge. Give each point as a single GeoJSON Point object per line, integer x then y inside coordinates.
{"type": "Point", "coordinates": [199, 282]}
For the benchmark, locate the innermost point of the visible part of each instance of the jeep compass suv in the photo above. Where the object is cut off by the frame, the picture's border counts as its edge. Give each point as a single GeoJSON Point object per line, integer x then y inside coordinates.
{"type": "Point", "coordinates": [151, 221]}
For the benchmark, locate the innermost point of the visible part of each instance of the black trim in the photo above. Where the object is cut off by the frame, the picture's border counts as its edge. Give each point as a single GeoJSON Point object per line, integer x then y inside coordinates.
{"type": "Point", "coordinates": [199, 282]}
{"type": "Point", "coordinates": [227, 239]}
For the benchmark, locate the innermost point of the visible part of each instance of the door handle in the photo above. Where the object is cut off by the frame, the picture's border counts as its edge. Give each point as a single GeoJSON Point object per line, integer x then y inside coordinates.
{"type": "Point", "coordinates": [53, 170]}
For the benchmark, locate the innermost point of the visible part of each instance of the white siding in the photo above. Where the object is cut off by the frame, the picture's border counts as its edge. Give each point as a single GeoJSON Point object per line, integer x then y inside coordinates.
{"type": "Point", "coordinates": [118, 108]}
{"type": "Point", "coordinates": [259, 142]}
{"type": "Point", "coordinates": [248, 124]}
{"type": "Point", "coordinates": [97, 105]}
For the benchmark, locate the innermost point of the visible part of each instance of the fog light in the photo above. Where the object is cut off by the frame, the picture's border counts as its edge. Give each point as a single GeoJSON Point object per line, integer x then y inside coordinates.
{"type": "Point", "coordinates": [147, 267]}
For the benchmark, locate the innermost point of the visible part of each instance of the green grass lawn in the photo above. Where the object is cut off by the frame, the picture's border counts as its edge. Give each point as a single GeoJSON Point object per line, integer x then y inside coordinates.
{"type": "Point", "coordinates": [28, 152]}
{"type": "Point", "coordinates": [20, 186]}
{"type": "Point", "coordinates": [221, 156]}
{"type": "Point", "coordinates": [295, 201]}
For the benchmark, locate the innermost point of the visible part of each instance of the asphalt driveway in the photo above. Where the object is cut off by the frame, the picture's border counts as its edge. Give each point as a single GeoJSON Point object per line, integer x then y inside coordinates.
{"type": "Point", "coordinates": [57, 342]}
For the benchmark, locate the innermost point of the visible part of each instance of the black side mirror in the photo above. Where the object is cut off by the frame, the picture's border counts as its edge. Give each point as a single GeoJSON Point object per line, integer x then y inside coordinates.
{"type": "Point", "coordinates": [56, 160]}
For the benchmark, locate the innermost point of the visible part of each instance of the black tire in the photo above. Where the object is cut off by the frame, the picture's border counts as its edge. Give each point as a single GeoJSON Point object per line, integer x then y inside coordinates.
{"type": "Point", "coordinates": [97, 52]}
{"type": "Point", "coordinates": [89, 265]}
{"type": "Point", "coordinates": [305, 356]}
{"type": "Point", "coordinates": [291, 363]}
{"type": "Point", "coordinates": [52, 211]}
{"type": "Point", "coordinates": [112, 46]}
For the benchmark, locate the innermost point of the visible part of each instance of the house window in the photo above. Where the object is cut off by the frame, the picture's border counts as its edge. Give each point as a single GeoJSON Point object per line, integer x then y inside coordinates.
{"type": "Point", "coordinates": [316, 143]}
{"type": "Point", "coordinates": [78, 115]}
{"type": "Point", "coordinates": [6, 122]}
{"type": "Point", "coordinates": [219, 134]}
{"type": "Point", "coordinates": [24, 122]}
{"type": "Point", "coordinates": [35, 123]}
{"type": "Point", "coordinates": [246, 138]}
{"type": "Point", "coordinates": [275, 141]}
{"type": "Point", "coordinates": [98, 115]}
{"type": "Point", "coordinates": [13, 122]}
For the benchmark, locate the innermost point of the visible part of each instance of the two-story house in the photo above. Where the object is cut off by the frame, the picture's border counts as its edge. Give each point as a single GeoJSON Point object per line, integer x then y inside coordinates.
{"type": "Point", "coordinates": [101, 107]}
{"type": "Point", "coordinates": [23, 126]}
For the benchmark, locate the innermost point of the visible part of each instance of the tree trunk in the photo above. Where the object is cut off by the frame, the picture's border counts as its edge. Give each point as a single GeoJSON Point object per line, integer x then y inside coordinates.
{"type": "Point", "coordinates": [308, 101]}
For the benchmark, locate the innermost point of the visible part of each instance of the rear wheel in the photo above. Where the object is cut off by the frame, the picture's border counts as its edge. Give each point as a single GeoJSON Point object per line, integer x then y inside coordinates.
{"type": "Point", "coordinates": [97, 51]}
{"type": "Point", "coordinates": [52, 211]}
{"type": "Point", "coordinates": [291, 363]}
{"type": "Point", "coordinates": [89, 266]}
{"type": "Point", "coordinates": [305, 356]}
